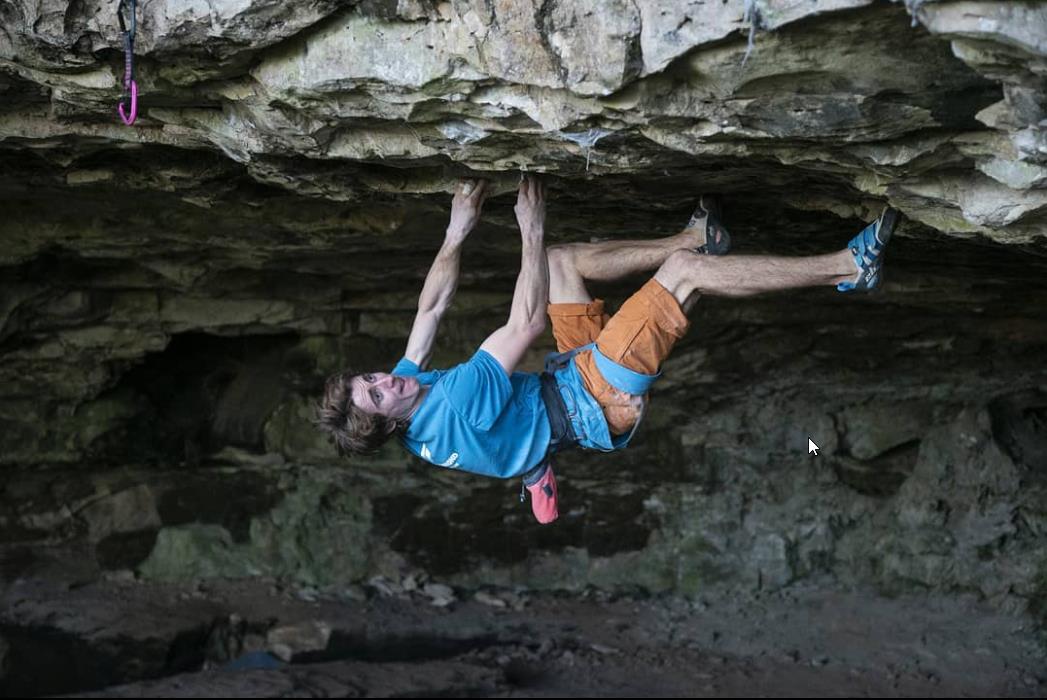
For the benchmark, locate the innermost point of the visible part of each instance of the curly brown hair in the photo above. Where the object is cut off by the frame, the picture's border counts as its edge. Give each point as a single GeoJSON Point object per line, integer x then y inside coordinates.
{"type": "Point", "coordinates": [354, 431]}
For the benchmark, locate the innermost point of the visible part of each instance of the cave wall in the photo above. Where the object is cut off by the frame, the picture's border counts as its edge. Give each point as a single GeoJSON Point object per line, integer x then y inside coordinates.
{"type": "Point", "coordinates": [173, 294]}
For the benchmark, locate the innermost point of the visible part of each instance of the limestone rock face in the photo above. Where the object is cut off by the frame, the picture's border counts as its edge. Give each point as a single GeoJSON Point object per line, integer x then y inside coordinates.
{"type": "Point", "coordinates": [173, 294]}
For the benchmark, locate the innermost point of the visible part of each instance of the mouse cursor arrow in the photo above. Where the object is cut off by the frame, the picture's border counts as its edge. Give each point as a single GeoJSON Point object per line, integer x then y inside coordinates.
{"type": "Point", "coordinates": [811, 447]}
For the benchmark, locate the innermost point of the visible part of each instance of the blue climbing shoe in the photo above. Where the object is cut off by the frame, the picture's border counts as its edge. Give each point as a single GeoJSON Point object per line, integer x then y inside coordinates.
{"type": "Point", "coordinates": [867, 248]}
{"type": "Point", "coordinates": [707, 217]}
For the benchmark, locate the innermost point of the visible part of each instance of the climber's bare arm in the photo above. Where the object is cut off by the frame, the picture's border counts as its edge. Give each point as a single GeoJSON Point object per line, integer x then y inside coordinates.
{"type": "Point", "coordinates": [526, 321]}
{"type": "Point", "coordinates": [442, 280]}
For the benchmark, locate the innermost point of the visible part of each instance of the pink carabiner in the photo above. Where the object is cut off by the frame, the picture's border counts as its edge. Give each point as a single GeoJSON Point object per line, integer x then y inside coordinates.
{"type": "Point", "coordinates": [129, 120]}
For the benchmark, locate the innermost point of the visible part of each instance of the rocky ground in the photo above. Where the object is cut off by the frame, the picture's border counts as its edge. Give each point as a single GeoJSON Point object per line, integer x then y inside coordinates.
{"type": "Point", "coordinates": [124, 638]}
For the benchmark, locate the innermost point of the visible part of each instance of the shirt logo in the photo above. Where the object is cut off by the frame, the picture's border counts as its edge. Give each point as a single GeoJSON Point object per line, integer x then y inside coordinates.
{"type": "Point", "coordinates": [450, 462]}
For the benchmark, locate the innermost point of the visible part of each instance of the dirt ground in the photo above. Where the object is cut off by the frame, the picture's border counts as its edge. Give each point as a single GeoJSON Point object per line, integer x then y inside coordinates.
{"type": "Point", "coordinates": [124, 638]}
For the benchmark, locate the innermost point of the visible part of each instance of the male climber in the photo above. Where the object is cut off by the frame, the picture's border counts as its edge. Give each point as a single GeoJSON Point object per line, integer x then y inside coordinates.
{"type": "Point", "coordinates": [484, 417]}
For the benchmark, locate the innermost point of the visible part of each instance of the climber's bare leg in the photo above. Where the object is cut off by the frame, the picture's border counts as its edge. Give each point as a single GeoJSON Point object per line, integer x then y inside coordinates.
{"type": "Point", "coordinates": [687, 275]}
{"type": "Point", "coordinates": [571, 264]}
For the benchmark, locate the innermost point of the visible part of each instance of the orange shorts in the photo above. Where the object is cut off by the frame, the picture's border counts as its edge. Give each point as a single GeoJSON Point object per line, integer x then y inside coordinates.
{"type": "Point", "coordinates": [640, 336]}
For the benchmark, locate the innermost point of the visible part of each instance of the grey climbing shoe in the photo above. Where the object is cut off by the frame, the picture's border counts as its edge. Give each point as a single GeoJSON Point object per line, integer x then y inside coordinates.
{"type": "Point", "coordinates": [706, 216]}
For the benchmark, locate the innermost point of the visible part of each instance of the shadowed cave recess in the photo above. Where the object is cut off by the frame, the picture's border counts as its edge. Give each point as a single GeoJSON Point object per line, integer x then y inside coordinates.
{"type": "Point", "coordinates": [174, 293]}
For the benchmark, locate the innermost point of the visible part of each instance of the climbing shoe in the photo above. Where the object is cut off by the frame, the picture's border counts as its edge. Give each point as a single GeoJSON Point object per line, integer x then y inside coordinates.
{"type": "Point", "coordinates": [867, 248]}
{"type": "Point", "coordinates": [542, 486]}
{"type": "Point", "coordinates": [706, 216]}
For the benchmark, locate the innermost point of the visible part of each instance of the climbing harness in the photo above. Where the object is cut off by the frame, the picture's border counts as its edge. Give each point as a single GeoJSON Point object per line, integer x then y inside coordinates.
{"type": "Point", "coordinates": [128, 107]}
{"type": "Point", "coordinates": [563, 435]}
{"type": "Point", "coordinates": [620, 377]}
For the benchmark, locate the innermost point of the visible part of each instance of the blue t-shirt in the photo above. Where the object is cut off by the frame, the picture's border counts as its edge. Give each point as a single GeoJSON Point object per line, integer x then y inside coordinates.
{"type": "Point", "coordinates": [477, 419]}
